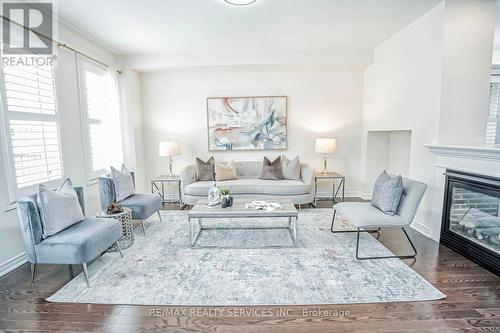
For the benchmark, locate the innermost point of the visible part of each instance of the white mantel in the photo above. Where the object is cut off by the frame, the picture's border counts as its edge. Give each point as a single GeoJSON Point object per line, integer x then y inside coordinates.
{"type": "Point", "coordinates": [482, 160]}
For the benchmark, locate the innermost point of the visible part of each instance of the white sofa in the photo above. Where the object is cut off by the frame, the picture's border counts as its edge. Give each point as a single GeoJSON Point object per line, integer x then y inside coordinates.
{"type": "Point", "coordinates": [249, 185]}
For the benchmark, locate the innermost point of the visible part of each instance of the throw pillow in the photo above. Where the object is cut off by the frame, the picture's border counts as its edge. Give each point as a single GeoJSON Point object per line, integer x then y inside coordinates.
{"type": "Point", "coordinates": [225, 171]}
{"type": "Point", "coordinates": [59, 209]}
{"type": "Point", "coordinates": [291, 168]}
{"type": "Point", "coordinates": [272, 170]}
{"type": "Point", "coordinates": [205, 170]}
{"type": "Point", "coordinates": [387, 193]}
{"type": "Point", "coordinates": [124, 183]}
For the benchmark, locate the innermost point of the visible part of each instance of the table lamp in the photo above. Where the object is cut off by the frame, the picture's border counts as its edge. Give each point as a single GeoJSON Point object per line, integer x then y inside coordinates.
{"type": "Point", "coordinates": [169, 149]}
{"type": "Point", "coordinates": [325, 146]}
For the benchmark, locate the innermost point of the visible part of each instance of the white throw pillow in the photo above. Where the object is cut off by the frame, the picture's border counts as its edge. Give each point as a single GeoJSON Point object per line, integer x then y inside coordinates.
{"type": "Point", "coordinates": [291, 168]}
{"type": "Point", "coordinates": [59, 209]}
{"type": "Point", "coordinates": [124, 183]}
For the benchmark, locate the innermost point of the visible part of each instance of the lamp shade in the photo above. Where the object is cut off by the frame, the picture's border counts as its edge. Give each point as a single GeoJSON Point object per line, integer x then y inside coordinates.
{"type": "Point", "coordinates": [325, 145]}
{"type": "Point", "coordinates": [169, 148]}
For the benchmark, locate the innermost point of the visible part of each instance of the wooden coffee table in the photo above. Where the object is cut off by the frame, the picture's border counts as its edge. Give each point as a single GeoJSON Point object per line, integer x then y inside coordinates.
{"type": "Point", "coordinates": [202, 211]}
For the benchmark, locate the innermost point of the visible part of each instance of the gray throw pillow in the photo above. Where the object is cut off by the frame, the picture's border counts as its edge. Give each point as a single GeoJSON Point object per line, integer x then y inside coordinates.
{"type": "Point", "coordinates": [387, 193]}
{"type": "Point", "coordinates": [124, 183]}
{"type": "Point", "coordinates": [59, 209]}
{"type": "Point", "coordinates": [291, 168]}
{"type": "Point", "coordinates": [272, 170]}
{"type": "Point", "coordinates": [205, 170]}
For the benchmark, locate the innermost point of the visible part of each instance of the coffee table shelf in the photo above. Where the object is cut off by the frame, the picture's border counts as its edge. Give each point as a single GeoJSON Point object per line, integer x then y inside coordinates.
{"type": "Point", "coordinates": [202, 211]}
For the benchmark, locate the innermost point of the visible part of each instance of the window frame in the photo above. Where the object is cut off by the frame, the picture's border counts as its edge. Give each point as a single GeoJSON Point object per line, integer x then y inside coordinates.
{"type": "Point", "coordinates": [83, 63]}
{"type": "Point", "coordinates": [14, 192]}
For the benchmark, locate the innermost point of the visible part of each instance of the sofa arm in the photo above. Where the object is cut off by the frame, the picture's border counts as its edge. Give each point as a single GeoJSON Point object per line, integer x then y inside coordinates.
{"type": "Point", "coordinates": [307, 173]}
{"type": "Point", "coordinates": [188, 176]}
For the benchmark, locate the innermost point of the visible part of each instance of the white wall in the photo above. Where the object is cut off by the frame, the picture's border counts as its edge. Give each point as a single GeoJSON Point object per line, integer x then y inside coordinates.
{"type": "Point", "coordinates": [319, 104]}
{"type": "Point", "coordinates": [133, 141]}
{"type": "Point", "coordinates": [11, 243]}
{"type": "Point", "coordinates": [467, 57]}
{"type": "Point", "coordinates": [402, 90]}
{"type": "Point", "coordinates": [386, 150]}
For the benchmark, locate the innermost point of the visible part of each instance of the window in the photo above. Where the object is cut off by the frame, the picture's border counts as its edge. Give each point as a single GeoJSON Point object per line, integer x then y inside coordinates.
{"type": "Point", "coordinates": [100, 118]}
{"type": "Point", "coordinates": [493, 124]}
{"type": "Point", "coordinates": [31, 127]}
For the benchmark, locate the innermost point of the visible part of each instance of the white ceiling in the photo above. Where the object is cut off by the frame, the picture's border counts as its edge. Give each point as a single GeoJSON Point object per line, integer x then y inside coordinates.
{"type": "Point", "coordinates": [211, 26]}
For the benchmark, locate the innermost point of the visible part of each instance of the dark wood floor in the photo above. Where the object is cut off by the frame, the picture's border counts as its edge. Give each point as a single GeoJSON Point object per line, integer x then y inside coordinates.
{"type": "Point", "coordinates": [472, 305]}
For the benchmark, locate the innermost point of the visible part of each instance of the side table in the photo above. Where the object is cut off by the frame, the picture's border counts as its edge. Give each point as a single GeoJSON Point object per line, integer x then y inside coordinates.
{"type": "Point", "coordinates": [125, 218]}
{"type": "Point", "coordinates": [334, 176]}
{"type": "Point", "coordinates": [158, 186]}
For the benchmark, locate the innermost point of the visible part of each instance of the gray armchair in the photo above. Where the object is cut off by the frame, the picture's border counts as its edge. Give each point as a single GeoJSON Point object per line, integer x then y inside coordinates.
{"type": "Point", "coordinates": [142, 205]}
{"type": "Point", "coordinates": [367, 218]}
{"type": "Point", "coordinates": [78, 244]}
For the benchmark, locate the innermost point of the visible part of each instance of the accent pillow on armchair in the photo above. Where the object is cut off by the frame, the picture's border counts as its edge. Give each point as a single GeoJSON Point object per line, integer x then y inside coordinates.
{"type": "Point", "coordinates": [387, 193]}
{"type": "Point", "coordinates": [59, 209]}
{"type": "Point", "coordinates": [124, 183]}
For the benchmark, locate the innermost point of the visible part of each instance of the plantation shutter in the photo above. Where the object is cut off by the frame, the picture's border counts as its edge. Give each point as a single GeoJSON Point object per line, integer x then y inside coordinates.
{"type": "Point", "coordinates": [31, 124]}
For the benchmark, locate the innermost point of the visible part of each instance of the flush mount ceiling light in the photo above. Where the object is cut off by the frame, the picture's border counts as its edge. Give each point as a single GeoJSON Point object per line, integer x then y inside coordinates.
{"type": "Point", "coordinates": [240, 2]}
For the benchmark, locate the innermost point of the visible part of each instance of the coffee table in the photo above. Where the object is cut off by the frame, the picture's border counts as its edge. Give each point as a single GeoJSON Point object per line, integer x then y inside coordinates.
{"type": "Point", "coordinates": [202, 211]}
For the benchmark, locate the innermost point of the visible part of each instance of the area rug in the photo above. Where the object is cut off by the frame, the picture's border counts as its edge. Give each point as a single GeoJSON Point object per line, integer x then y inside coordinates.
{"type": "Point", "coordinates": [162, 269]}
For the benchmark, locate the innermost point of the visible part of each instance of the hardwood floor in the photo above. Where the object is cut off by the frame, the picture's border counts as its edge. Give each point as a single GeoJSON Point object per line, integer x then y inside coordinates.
{"type": "Point", "coordinates": [472, 305]}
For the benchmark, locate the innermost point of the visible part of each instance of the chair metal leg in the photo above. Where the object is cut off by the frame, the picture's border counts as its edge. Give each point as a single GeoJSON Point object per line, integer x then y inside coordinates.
{"type": "Point", "coordinates": [86, 273]}
{"type": "Point", "coordinates": [387, 257]}
{"type": "Point", "coordinates": [33, 271]}
{"type": "Point", "coordinates": [119, 249]}
{"type": "Point", "coordinates": [159, 215]}
{"type": "Point", "coordinates": [143, 227]}
{"type": "Point", "coordinates": [345, 231]}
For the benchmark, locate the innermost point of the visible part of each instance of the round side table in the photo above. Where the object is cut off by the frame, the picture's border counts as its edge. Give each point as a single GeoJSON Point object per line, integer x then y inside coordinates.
{"type": "Point", "coordinates": [125, 219]}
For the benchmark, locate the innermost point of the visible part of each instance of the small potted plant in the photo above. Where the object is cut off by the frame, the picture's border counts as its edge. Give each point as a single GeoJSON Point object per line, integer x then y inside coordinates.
{"type": "Point", "coordinates": [224, 191]}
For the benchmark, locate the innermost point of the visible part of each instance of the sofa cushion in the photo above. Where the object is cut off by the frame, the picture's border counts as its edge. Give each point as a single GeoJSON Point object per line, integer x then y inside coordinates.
{"type": "Point", "coordinates": [225, 171]}
{"type": "Point", "coordinates": [291, 168]}
{"type": "Point", "coordinates": [205, 170]}
{"type": "Point", "coordinates": [82, 242]}
{"type": "Point", "coordinates": [272, 170]}
{"type": "Point", "coordinates": [143, 205]}
{"type": "Point", "coordinates": [252, 186]}
{"type": "Point", "coordinates": [364, 215]}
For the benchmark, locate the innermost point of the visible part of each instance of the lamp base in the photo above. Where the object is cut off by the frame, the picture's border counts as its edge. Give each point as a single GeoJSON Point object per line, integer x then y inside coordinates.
{"type": "Point", "coordinates": [325, 171]}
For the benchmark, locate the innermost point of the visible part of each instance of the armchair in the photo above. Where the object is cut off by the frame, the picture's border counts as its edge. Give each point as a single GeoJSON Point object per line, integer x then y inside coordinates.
{"type": "Point", "coordinates": [78, 244]}
{"type": "Point", "coordinates": [143, 205]}
{"type": "Point", "coordinates": [367, 218]}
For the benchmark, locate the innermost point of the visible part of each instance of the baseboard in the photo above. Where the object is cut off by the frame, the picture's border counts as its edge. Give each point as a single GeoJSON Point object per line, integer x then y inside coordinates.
{"type": "Point", "coordinates": [365, 195]}
{"type": "Point", "coordinates": [420, 228]}
{"type": "Point", "coordinates": [13, 263]}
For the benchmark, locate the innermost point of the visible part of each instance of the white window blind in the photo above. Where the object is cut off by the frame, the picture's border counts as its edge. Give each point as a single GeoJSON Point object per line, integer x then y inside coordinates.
{"type": "Point", "coordinates": [101, 118]}
{"type": "Point", "coordinates": [492, 126]}
{"type": "Point", "coordinates": [31, 126]}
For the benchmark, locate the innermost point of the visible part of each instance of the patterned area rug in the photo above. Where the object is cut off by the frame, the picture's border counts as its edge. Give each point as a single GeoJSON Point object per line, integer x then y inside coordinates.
{"type": "Point", "coordinates": [161, 268]}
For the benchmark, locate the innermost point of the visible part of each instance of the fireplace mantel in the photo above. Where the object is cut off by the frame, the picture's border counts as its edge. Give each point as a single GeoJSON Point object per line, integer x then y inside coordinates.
{"type": "Point", "coordinates": [475, 152]}
{"type": "Point", "coordinates": [482, 160]}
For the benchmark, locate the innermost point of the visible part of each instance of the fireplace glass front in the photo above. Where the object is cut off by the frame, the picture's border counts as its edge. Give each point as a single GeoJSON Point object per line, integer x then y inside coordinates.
{"type": "Point", "coordinates": [471, 222]}
{"type": "Point", "coordinates": [474, 215]}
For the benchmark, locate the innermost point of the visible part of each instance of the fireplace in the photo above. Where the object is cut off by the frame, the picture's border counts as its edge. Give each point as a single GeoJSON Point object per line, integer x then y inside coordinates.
{"type": "Point", "coordinates": [470, 220]}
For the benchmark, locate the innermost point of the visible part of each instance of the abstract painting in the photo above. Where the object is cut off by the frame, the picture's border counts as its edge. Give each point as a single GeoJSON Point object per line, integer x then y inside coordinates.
{"type": "Point", "coordinates": [247, 123]}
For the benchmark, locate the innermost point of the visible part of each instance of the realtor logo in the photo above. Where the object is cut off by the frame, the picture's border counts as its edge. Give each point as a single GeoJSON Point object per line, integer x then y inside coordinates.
{"type": "Point", "coordinates": [27, 28]}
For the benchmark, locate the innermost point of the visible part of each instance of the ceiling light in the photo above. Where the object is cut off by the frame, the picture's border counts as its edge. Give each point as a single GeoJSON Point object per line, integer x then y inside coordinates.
{"type": "Point", "coordinates": [240, 2]}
